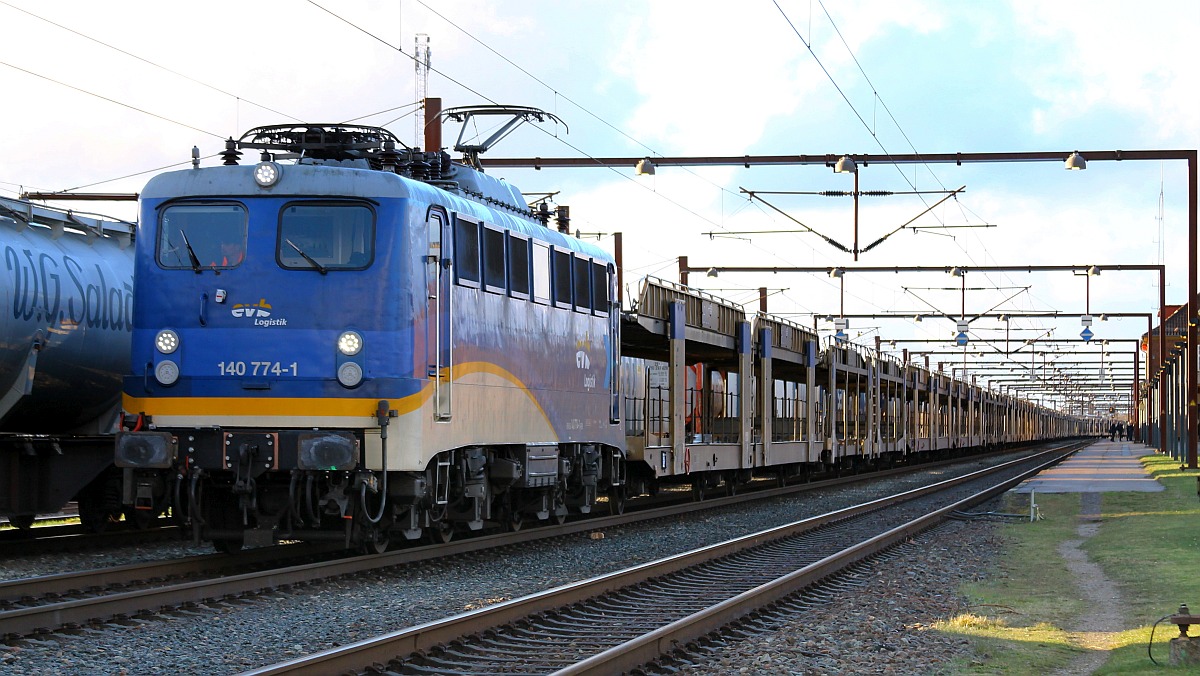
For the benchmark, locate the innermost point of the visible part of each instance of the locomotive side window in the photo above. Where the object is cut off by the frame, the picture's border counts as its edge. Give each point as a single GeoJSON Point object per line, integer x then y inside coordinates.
{"type": "Point", "coordinates": [600, 299]}
{"type": "Point", "coordinates": [518, 266]}
{"type": "Point", "coordinates": [326, 236]}
{"type": "Point", "coordinates": [562, 279]}
{"type": "Point", "coordinates": [493, 260]}
{"type": "Point", "coordinates": [202, 236]}
{"type": "Point", "coordinates": [583, 285]}
{"type": "Point", "coordinates": [466, 251]}
{"type": "Point", "coordinates": [540, 261]}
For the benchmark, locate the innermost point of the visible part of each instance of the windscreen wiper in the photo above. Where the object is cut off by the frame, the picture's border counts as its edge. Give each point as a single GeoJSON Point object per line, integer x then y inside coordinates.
{"type": "Point", "coordinates": [191, 252]}
{"type": "Point", "coordinates": [320, 268]}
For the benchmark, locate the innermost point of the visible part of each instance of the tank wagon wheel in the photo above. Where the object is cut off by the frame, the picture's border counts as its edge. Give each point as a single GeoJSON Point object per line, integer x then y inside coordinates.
{"type": "Point", "coordinates": [94, 518]}
{"type": "Point", "coordinates": [22, 522]}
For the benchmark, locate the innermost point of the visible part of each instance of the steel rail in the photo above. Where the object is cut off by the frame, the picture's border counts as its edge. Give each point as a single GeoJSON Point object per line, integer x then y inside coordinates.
{"type": "Point", "coordinates": [63, 583]}
{"type": "Point", "coordinates": [79, 611]}
{"type": "Point", "coordinates": [73, 537]}
{"type": "Point", "coordinates": [661, 642]}
{"type": "Point", "coordinates": [381, 649]}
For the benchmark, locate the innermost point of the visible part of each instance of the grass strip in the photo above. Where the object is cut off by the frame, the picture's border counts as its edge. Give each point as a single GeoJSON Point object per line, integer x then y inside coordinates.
{"type": "Point", "coordinates": [1147, 543]}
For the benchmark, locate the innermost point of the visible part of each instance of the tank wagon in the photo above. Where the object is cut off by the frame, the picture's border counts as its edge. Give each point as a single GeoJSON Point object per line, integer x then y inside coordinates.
{"type": "Point", "coordinates": [350, 339]}
{"type": "Point", "coordinates": [65, 327]}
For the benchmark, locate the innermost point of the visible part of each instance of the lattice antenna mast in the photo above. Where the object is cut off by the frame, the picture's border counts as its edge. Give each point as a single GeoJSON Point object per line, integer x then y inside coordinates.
{"type": "Point", "coordinates": [421, 62]}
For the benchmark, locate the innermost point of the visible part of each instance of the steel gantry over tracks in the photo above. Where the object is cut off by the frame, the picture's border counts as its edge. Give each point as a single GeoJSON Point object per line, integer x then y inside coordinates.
{"type": "Point", "coordinates": [1192, 394]}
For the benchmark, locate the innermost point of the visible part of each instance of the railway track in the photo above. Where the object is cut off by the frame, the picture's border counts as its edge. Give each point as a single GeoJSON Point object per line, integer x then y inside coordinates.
{"type": "Point", "coordinates": [626, 619]}
{"type": "Point", "coordinates": [45, 604]}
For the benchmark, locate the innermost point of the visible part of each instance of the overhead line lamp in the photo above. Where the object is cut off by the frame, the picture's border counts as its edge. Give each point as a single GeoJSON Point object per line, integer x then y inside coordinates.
{"type": "Point", "coordinates": [712, 272]}
{"type": "Point", "coordinates": [644, 167]}
{"type": "Point", "coordinates": [1075, 161]}
{"type": "Point", "coordinates": [845, 165]}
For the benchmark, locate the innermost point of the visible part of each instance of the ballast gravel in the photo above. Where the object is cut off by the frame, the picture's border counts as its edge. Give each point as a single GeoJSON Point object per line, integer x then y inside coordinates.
{"type": "Point", "coordinates": [880, 629]}
{"type": "Point", "coordinates": [886, 625]}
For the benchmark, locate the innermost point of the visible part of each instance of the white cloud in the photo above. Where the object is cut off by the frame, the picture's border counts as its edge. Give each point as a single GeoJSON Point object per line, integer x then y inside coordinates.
{"type": "Point", "coordinates": [1112, 55]}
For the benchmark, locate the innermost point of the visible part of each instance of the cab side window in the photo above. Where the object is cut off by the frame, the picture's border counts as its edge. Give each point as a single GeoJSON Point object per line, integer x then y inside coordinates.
{"type": "Point", "coordinates": [466, 252]}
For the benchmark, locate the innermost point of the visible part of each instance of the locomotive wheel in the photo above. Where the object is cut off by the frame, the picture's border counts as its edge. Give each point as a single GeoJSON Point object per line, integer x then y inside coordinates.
{"type": "Point", "coordinates": [731, 487]}
{"type": "Point", "coordinates": [225, 515]}
{"type": "Point", "coordinates": [516, 522]}
{"type": "Point", "coordinates": [697, 489]}
{"type": "Point", "coordinates": [376, 542]}
{"type": "Point", "coordinates": [442, 532]}
{"type": "Point", "coordinates": [22, 521]}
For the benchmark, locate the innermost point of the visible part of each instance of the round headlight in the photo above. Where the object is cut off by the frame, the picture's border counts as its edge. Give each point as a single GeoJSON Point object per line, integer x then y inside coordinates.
{"type": "Point", "coordinates": [267, 174]}
{"type": "Point", "coordinates": [167, 372]}
{"type": "Point", "coordinates": [167, 341]}
{"type": "Point", "coordinates": [349, 374]}
{"type": "Point", "coordinates": [349, 343]}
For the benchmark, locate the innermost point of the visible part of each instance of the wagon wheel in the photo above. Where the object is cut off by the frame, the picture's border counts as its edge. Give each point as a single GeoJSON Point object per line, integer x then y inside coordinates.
{"type": "Point", "coordinates": [22, 521]}
{"type": "Point", "coordinates": [731, 487]}
{"type": "Point", "coordinates": [616, 500]}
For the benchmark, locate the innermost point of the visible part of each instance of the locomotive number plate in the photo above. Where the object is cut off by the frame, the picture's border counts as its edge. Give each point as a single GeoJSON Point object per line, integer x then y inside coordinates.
{"type": "Point", "coordinates": [257, 368]}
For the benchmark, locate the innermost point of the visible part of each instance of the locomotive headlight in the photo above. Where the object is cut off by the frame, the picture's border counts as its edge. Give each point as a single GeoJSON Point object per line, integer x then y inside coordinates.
{"type": "Point", "coordinates": [167, 341]}
{"type": "Point", "coordinates": [167, 372]}
{"type": "Point", "coordinates": [350, 374]}
{"type": "Point", "coordinates": [267, 174]}
{"type": "Point", "coordinates": [349, 343]}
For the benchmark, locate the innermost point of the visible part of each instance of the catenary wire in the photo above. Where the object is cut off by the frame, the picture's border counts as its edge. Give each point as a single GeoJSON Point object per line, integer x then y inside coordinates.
{"type": "Point", "coordinates": [146, 61]}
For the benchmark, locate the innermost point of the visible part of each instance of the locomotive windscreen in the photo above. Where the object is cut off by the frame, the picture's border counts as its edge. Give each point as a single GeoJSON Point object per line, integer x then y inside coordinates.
{"type": "Point", "coordinates": [335, 236]}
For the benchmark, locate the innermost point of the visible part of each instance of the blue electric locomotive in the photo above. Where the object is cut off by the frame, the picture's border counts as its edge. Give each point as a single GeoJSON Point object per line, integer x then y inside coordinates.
{"type": "Point", "coordinates": [367, 343]}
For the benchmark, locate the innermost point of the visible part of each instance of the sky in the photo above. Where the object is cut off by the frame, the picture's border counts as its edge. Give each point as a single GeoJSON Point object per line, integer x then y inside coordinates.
{"type": "Point", "coordinates": [102, 96]}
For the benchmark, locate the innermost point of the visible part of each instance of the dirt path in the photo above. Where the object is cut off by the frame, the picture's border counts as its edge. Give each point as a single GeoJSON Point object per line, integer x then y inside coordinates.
{"type": "Point", "coordinates": [1095, 631]}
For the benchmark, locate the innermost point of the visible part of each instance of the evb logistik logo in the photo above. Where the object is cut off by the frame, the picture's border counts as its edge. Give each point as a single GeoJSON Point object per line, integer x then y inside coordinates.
{"type": "Point", "coordinates": [260, 312]}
